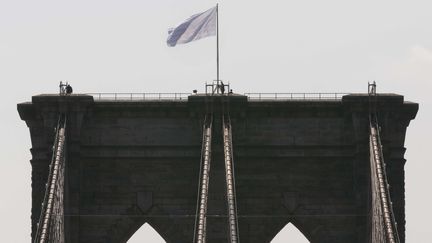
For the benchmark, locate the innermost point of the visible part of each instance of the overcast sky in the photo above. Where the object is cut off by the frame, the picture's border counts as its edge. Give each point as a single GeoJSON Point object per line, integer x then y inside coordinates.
{"type": "Point", "coordinates": [266, 46]}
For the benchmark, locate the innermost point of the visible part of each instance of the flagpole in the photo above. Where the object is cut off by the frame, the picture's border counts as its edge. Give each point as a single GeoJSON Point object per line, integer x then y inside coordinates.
{"type": "Point", "coordinates": [217, 45]}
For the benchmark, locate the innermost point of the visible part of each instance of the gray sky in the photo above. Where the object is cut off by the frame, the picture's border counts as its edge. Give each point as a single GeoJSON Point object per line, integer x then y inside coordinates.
{"type": "Point", "coordinates": [266, 46]}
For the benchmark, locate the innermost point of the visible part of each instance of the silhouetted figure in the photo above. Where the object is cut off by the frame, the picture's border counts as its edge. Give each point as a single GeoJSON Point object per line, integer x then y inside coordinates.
{"type": "Point", "coordinates": [372, 88]}
{"type": "Point", "coordinates": [230, 92]}
{"type": "Point", "coordinates": [222, 87]}
{"type": "Point", "coordinates": [69, 89]}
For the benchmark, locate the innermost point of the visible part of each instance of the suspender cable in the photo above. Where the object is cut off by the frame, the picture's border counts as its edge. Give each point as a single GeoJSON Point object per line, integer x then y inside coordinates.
{"type": "Point", "coordinates": [200, 229]}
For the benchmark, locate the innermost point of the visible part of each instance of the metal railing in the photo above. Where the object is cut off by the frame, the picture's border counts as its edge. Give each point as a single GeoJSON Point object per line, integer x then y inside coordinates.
{"type": "Point", "coordinates": [184, 96]}
{"type": "Point", "coordinates": [295, 96]}
{"type": "Point", "coordinates": [140, 96]}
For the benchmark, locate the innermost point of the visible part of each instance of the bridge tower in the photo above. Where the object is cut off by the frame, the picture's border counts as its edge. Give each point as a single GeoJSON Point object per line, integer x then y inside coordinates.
{"type": "Point", "coordinates": [253, 163]}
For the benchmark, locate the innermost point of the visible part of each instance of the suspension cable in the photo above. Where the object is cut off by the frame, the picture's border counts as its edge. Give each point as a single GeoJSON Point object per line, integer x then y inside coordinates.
{"type": "Point", "coordinates": [50, 226]}
{"type": "Point", "coordinates": [230, 181]}
{"type": "Point", "coordinates": [200, 228]}
{"type": "Point", "coordinates": [384, 226]}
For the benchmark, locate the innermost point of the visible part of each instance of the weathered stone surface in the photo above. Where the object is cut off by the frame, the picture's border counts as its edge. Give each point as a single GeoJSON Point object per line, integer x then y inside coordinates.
{"type": "Point", "coordinates": [304, 162]}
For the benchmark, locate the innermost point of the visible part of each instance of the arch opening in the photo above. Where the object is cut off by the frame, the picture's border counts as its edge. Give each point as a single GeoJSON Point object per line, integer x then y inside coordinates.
{"type": "Point", "coordinates": [290, 233]}
{"type": "Point", "coordinates": [146, 233]}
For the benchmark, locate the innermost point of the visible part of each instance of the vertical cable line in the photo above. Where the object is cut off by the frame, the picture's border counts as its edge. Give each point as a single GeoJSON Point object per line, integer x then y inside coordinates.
{"type": "Point", "coordinates": [384, 226]}
{"type": "Point", "coordinates": [50, 227]}
{"type": "Point", "coordinates": [200, 228]}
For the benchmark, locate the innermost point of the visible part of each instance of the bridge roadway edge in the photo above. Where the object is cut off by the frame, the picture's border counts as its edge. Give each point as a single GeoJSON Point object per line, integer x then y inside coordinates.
{"type": "Point", "coordinates": [256, 124]}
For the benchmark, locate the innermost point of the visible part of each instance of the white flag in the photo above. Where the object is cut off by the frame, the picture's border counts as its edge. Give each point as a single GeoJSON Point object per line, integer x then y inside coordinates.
{"type": "Point", "coordinates": [194, 28]}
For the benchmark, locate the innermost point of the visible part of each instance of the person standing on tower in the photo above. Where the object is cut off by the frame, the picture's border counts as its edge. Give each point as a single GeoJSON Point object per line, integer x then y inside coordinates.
{"type": "Point", "coordinates": [222, 87]}
{"type": "Point", "coordinates": [69, 89]}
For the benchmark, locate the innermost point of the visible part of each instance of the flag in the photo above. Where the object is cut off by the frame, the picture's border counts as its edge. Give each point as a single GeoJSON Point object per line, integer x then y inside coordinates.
{"type": "Point", "coordinates": [194, 28]}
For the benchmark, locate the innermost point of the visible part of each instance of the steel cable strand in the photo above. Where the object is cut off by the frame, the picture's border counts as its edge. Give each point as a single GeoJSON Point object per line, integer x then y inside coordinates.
{"type": "Point", "coordinates": [201, 211]}
{"type": "Point", "coordinates": [377, 232]}
{"type": "Point", "coordinates": [42, 231]}
{"type": "Point", "coordinates": [230, 181]}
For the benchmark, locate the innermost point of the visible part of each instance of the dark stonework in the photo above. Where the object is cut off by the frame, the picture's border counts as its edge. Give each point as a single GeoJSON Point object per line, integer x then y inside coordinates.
{"type": "Point", "coordinates": [301, 162]}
